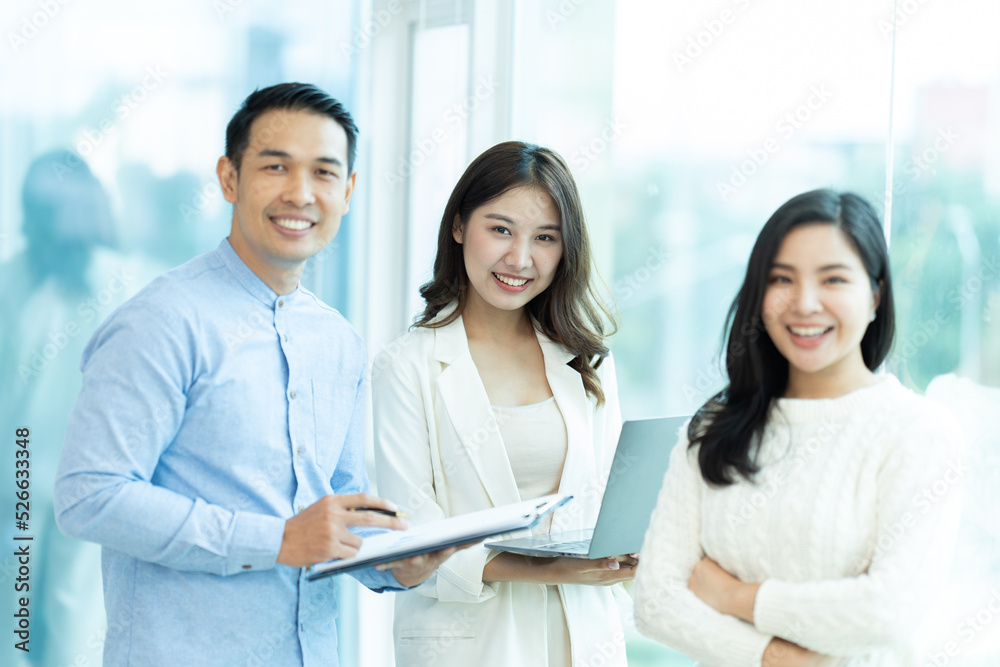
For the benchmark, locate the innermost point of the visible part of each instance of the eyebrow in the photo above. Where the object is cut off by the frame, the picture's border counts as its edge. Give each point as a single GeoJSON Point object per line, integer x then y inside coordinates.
{"type": "Point", "coordinates": [499, 216]}
{"type": "Point", "coordinates": [828, 267]}
{"type": "Point", "coordinates": [272, 152]}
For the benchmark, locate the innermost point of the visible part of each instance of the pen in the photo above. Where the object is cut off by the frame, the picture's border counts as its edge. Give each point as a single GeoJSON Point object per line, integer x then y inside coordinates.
{"type": "Point", "coordinates": [378, 510]}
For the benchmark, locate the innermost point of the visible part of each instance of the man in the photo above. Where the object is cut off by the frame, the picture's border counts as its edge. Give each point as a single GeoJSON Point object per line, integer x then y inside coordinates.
{"type": "Point", "coordinates": [215, 450]}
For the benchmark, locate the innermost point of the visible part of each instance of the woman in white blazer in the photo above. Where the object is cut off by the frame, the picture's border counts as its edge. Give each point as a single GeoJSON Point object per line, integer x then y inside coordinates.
{"type": "Point", "coordinates": [504, 391]}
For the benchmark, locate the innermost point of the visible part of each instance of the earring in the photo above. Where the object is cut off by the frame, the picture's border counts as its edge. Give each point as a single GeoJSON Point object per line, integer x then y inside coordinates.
{"type": "Point", "coordinates": [873, 317]}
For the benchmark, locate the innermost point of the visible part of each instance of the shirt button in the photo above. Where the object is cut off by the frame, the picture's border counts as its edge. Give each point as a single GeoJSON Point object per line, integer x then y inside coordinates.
{"type": "Point", "coordinates": [247, 567]}
{"type": "Point", "coordinates": [284, 338]}
{"type": "Point", "coordinates": [292, 394]}
{"type": "Point", "coordinates": [301, 508]}
{"type": "Point", "coordinates": [281, 303]}
{"type": "Point", "coordinates": [298, 451]}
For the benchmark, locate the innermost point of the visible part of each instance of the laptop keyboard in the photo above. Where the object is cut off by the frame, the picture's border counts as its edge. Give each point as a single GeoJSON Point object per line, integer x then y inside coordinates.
{"type": "Point", "coordinates": [580, 546]}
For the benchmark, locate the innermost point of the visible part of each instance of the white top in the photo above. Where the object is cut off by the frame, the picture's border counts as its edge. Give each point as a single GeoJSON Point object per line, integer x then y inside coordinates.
{"type": "Point", "coordinates": [535, 439]}
{"type": "Point", "coordinates": [439, 453]}
{"type": "Point", "coordinates": [849, 527]}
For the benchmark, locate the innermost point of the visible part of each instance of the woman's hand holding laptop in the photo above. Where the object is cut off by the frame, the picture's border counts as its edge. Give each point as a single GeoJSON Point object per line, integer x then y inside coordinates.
{"type": "Point", "coordinates": [562, 569]}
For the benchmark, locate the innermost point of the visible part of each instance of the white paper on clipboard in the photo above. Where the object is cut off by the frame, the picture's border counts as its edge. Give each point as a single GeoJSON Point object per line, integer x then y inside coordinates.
{"type": "Point", "coordinates": [397, 544]}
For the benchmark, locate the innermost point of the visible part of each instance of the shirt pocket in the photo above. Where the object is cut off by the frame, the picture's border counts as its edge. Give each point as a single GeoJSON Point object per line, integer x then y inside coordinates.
{"type": "Point", "coordinates": [333, 409]}
{"type": "Point", "coordinates": [428, 647]}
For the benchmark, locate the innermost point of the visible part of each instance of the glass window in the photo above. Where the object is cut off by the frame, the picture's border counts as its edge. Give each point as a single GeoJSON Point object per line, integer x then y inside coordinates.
{"type": "Point", "coordinates": [945, 246]}
{"type": "Point", "coordinates": [685, 124]}
{"type": "Point", "coordinates": [112, 117]}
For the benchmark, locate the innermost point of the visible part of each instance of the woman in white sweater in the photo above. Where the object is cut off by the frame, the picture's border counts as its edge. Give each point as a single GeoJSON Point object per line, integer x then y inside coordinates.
{"type": "Point", "coordinates": [811, 506]}
{"type": "Point", "coordinates": [505, 391]}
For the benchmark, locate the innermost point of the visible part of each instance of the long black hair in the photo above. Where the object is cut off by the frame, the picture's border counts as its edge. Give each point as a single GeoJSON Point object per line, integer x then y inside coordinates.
{"type": "Point", "coordinates": [730, 422]}
{"type": "Point", "coordinates": [568, 312]}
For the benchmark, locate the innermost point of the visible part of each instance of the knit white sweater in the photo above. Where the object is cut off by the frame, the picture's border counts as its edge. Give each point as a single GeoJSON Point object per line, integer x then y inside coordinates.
{"type": "Point", "coordinates": [849, 527]}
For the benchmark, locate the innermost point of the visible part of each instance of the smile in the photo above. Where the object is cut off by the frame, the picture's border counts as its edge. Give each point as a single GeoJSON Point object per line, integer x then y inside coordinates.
{"type": "Point", "coordinates": [809, 332]}
{"type": "Point", "coordinates": [293, 224]}
{"type": "Point", "coordinates": [509, 284]}
{"type": "Point", "coordinates": [513, 282]}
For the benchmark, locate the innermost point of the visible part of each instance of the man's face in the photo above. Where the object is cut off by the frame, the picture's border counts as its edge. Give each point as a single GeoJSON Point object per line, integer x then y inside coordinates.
{"type": "Point", "coordinates": [290, 192]}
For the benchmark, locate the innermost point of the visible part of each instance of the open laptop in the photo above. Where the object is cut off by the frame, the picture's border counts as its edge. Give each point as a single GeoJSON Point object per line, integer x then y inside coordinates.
{"type": "Point", "coordinates": [637, 472]}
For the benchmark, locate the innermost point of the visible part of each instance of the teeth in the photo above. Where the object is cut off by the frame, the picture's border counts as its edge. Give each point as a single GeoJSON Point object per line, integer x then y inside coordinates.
{"type": "Point", "coordinates": [513, 282]}
{"type": "Point", "coordinates": [294, 224]}
{"type": "Point", "coordinates": [808, 331]}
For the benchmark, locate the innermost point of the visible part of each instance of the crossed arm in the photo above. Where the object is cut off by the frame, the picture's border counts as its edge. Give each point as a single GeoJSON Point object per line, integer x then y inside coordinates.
{"type": "Point", "coordinates": [728, 595]}
{"type": "Point", "coordinates": [685, 600]}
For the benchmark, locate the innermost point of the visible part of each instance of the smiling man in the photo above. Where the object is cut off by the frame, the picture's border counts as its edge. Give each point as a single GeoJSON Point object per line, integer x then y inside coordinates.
{"type": "Point", "coordinates": [216, 450]}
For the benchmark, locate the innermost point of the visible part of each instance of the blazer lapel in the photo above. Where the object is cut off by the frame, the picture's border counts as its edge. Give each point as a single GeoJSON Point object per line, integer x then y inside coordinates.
{"type": "Point", "coordinates": [469, 409]}
{"type": "Point", "coordinates": [580, 467]}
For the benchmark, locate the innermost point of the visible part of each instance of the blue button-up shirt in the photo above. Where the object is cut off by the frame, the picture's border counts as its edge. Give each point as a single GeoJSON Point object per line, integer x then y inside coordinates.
{"type": "Point", "coordinates": [212, 410]}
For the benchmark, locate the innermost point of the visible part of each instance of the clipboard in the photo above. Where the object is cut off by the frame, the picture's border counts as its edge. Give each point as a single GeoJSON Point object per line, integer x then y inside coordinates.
{"type": "Point", "coordinates": [435, 535]}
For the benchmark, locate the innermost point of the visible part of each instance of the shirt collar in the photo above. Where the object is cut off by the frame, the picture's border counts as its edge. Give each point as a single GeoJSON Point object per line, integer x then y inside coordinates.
{"type": "Point", "coordinates": [250, 280]}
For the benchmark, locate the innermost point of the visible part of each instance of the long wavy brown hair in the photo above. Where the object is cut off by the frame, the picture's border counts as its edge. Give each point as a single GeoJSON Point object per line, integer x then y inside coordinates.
{"type": "Point", "coordinates": [569, 312]}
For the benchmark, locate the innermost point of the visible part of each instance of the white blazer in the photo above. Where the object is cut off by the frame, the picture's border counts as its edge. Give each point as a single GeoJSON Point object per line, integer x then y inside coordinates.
{"type": "Point", "coordinates": [439, 453]}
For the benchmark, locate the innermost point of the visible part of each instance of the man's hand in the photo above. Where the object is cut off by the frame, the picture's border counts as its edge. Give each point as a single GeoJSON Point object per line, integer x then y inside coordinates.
{"type": "Point", "coordinates": [722, 591]}
{"type": "Point", "coordinates": [320, 532]}
{"type": "Point", "coordinates": [414, 570]}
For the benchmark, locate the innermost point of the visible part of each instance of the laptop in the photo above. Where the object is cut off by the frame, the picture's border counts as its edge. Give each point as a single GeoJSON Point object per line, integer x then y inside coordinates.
{"type": "Point", "coordinates": [640, 463]}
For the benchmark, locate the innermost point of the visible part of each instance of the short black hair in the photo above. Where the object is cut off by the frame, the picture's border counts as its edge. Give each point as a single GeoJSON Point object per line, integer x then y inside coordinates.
{"type": "Point", "coordinates": [293, 97]}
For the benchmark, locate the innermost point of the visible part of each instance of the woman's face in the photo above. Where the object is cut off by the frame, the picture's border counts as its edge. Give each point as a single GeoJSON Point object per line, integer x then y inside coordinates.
{"type": "Point", "coordinates": [818, 305]}
{"type": "Point", "coordinates": [512, 247]}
